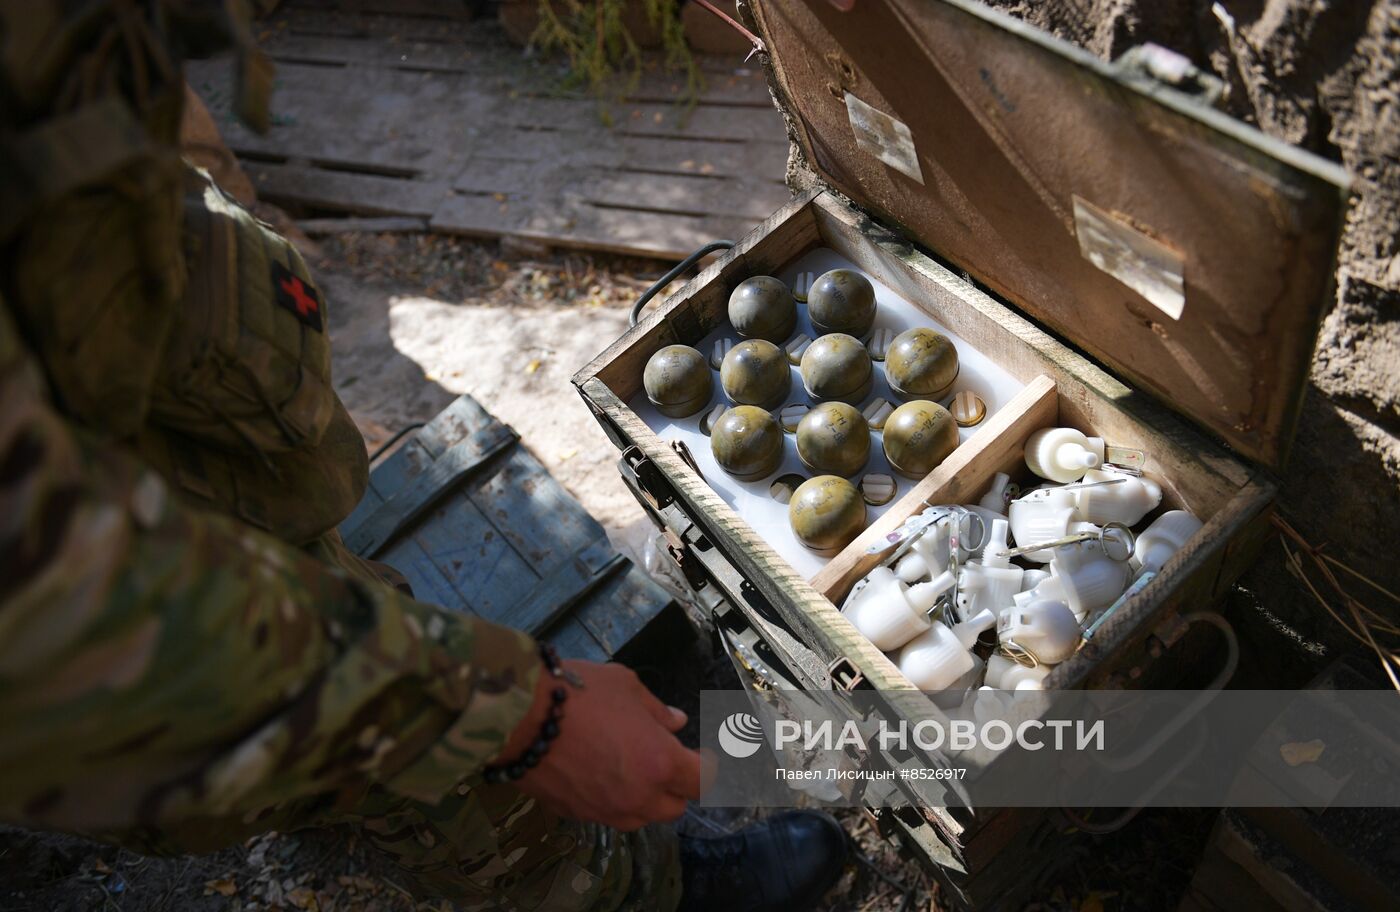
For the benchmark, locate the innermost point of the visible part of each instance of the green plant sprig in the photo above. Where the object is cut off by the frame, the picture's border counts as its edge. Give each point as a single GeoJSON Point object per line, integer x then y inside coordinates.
{"type": "Point", "coordinates": [603, 57]}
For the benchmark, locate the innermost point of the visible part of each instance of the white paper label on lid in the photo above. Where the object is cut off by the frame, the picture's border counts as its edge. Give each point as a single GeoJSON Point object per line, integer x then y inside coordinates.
{"type": "Point", "coordinates": [882, 136]}
{"type": "Point", "coordinates": [1143, 263]}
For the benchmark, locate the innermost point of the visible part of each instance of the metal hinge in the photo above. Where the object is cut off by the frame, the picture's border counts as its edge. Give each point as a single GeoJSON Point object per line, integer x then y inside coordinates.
{"type": "Point", "coordinates": [1173, 70]}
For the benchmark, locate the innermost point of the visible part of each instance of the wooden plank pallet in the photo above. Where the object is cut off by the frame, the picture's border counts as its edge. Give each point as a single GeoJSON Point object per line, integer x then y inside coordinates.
{"type": "Point", "coordinates": [414, 111]}
{"type": "Point", "coordinates": [477, 525]}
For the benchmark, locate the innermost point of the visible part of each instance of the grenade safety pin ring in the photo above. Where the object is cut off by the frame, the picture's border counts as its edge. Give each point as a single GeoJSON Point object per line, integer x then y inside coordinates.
{"type": "Point", "coordinates": [1018, 654]}
{"type": "Point", "coordinates": [1123, 542]}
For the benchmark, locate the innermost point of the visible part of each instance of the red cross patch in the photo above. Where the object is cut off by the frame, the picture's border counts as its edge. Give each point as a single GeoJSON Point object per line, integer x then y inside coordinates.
{"type": "Point", "coordinates": [298, 296]}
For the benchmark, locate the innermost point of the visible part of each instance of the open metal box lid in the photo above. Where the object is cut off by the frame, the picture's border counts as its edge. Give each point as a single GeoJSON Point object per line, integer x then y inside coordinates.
{"type": "Point", "coordinates": [1188, 252]}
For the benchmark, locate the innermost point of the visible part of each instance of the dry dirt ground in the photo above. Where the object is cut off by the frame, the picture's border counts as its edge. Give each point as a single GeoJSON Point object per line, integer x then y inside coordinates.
{"type": "Point", "coordinates": [418, 320]}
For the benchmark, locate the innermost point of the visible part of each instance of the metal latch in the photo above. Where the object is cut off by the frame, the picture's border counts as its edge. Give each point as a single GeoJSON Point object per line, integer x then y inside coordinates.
{"type": "Point", "coordinates": [650, 479]}
{"type": "Point", "coordinates": [1167, 67]}
{"type": "Point", "coordinates": [882, 819]}
{"type": "Point", "coordinates": [745, 661]}
{"type": "Point", "coordinates": [679, 549]}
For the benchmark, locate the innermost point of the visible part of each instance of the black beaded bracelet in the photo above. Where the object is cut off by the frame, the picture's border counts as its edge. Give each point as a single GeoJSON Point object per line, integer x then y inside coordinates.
{"type": "Point", "coordinates": [549, 730]}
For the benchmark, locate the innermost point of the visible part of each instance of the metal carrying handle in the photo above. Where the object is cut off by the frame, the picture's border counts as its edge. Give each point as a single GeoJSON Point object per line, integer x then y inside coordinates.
{"type": "Point", "coordinates": [1136, 758]}
{"type": "Point", "coordinates": [665, 280]}
{"type": "Point", "coordinates": [1202, 699]}
{"type": "Point", "coordinates": [1126, 817]}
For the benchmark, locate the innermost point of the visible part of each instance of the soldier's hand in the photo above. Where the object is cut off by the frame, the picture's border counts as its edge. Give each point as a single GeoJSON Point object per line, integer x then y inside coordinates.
{"type": "Point", "coordinates": [617, 760]}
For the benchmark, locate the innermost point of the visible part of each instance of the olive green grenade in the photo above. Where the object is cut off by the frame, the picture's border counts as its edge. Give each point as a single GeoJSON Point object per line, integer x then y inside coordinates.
{"type": "Point", "coordinates": [837, 366]}
{"type": "Point", "coordinates": [756, 372]}
{"type": "Point", "coordinates": [678, 381]}
{"type": "Point", "coordinates": [842, 301]}
{"type": "Point", "coordinates": [826, 514]}
{"type": "Point", "coordinates": [833, 438]}
{"type": "Point", "coordinates": [763, 308]}
{"type": "Point", "coordinates": [921, 364]}
{"type": "Point", "coordinates": [918, 436]}
{"type": "Point", "coordinates": [747, 442]}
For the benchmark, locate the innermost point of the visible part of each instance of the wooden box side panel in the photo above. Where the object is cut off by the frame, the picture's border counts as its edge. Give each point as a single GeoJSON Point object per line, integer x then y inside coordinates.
{"type": "Point", "coordinates": [411, 554]}
{"type": "Point", "coordinates": [962, 477]}
{"type": "Point", "coordinates": [1243, 228]}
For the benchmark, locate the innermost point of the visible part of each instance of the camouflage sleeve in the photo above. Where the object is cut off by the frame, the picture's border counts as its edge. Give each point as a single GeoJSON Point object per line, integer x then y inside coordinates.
{"type": "Point", "coordinates": [160, 664]}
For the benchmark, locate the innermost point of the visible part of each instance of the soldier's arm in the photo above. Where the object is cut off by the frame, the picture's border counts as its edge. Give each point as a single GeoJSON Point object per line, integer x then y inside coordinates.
{"type": "Point", "coordinates": [159, 663]}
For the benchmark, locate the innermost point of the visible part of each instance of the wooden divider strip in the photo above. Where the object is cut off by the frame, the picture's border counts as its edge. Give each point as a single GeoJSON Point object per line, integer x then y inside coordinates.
{"type": "Point", "coordinates": [996, 447]}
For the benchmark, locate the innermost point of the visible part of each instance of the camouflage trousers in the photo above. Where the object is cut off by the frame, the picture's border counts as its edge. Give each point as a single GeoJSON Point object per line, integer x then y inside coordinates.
{"type": "Point", "coordinates": [486, 847]}
{"type": "Point", "coordinates": [492, 848]}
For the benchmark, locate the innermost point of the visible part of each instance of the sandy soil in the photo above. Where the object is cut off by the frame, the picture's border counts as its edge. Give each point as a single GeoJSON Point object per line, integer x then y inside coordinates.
{"type": "Point", "coordinates": [417, 320]}
{"type": "Point", "coordinates": [403, 357]}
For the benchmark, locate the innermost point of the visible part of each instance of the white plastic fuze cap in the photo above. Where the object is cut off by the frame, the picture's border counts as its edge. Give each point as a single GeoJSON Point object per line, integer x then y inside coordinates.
{"type": "Point", "coordinates": [922, 596]}
{"type": "Point", "coordinates": [1167, 535]}
{"type": "Point", "coordinates": [1063, 454]}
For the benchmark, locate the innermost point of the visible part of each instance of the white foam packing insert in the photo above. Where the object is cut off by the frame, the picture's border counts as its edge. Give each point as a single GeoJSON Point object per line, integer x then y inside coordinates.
{"type": "Point", "coordinates": [750, 499]}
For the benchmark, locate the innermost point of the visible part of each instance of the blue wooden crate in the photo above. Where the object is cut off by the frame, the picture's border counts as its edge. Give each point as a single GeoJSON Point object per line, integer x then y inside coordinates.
{"type": "Point", "coordinates": [477, 525]}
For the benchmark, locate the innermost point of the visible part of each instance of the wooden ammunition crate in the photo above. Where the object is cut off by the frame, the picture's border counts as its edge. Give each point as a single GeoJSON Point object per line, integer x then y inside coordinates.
{"type": "Point", "coordinates": [1151, 270]}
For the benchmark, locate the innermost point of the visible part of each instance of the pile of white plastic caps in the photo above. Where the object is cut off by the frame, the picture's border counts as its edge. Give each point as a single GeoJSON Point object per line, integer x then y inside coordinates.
{"type": "Point", "coordinates": [1044, 568]}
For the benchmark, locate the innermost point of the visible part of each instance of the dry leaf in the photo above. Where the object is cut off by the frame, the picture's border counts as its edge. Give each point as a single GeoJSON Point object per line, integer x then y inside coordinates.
{"type": "Point", "coordinates": [303, 898]}
{"type": "Point", "coordinates": [224, 886]}
{"type": "Point", "coordinates": [1091, 903]}
{"type": "Point", "coordinates": [1296, 753]}
{"type": "Point", "coordinates": [100, 867]}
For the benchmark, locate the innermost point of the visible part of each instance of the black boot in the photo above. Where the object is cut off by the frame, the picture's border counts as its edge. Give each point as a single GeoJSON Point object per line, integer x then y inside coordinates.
{"type": "Point", "coordinates": [785, 863]}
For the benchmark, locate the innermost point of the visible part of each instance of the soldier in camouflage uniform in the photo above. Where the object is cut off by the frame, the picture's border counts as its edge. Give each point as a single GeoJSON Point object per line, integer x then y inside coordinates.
{"type": "Point", "coordinates": [188, 653]}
